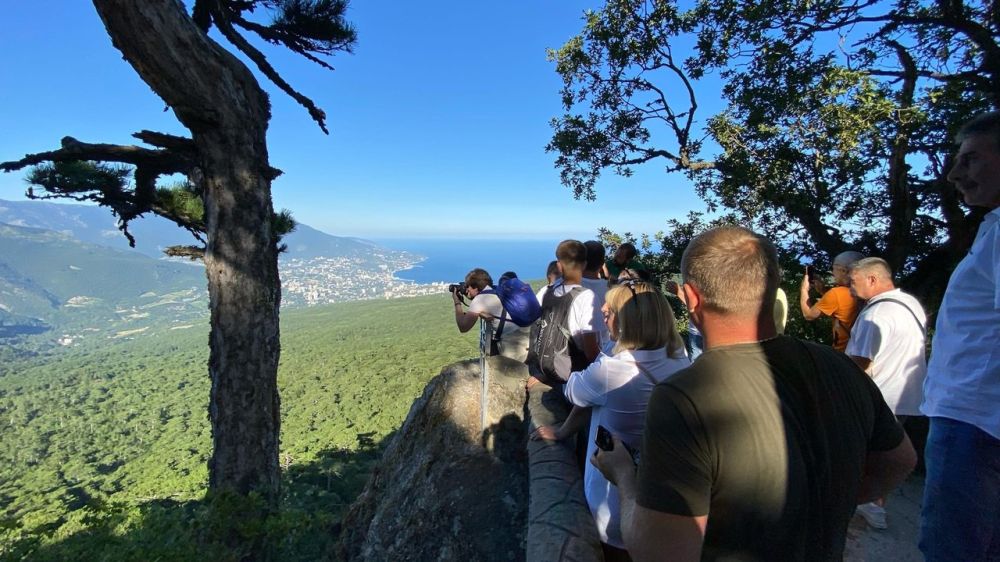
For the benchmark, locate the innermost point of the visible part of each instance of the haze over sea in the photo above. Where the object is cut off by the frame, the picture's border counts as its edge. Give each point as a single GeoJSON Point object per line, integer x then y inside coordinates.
{"type": "Point", "coordinates": [449, 259]}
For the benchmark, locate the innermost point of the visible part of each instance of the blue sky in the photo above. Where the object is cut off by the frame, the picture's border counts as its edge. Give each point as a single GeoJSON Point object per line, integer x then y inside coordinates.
{"type": "Point", "coordinates": [438, 120]}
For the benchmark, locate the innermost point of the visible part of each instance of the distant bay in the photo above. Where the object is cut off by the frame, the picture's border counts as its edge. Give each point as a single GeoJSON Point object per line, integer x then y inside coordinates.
{"type": "Point", "coordinates": [448, 260]}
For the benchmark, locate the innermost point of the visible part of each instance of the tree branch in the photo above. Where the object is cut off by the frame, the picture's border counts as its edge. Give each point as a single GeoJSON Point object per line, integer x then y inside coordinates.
{"type": "Point", "coordinates": [233, 36]}
{"type": "Point", "coordinates": [162, 161]}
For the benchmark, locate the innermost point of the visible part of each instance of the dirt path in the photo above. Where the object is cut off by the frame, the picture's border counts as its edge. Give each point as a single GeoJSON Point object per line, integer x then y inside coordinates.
{"type": "Point", "coordinates": [899, 541]}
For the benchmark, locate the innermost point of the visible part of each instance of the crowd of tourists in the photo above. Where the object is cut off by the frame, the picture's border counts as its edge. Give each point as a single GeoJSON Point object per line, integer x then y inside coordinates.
{"type": "Point", "coordinates": [745, 443]}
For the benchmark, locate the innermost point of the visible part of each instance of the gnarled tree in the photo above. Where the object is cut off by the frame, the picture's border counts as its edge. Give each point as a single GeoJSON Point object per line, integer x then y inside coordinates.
{"type": "Point", "coordinates": [836, 124]}
{"type": "Point", "coordinates": [226, 202]}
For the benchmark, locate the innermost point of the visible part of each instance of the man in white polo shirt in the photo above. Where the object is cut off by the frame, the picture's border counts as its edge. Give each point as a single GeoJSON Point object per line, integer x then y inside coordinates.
{"type": "Point", "coordinates": [887, 342]}
{"type": "Point", "coordinates": [960, 519]}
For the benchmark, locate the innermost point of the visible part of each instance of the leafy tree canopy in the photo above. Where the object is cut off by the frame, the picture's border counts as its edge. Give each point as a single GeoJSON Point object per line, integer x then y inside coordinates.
{"type": "Point", "coordinates": [837, 121]}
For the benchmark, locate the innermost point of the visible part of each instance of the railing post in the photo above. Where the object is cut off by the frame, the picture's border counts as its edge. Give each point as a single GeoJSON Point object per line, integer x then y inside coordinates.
{"type": "Point", "coordinates": [484, 347]}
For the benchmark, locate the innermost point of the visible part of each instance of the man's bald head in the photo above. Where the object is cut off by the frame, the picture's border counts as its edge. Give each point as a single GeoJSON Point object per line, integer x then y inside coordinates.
{"type": "Point", "coordinates": [735, 271]}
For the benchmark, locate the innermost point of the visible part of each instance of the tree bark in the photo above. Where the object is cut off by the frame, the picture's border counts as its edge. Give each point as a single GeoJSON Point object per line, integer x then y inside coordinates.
{"type": "Point", "coordinates": [901, 202]}
{"type": "Point", "coordinates": [215, 96]}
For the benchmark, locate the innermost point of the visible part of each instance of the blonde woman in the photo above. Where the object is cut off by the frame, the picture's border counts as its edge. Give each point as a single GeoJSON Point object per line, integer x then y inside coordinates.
{"type": "Point", "coordinates": [616, 388]}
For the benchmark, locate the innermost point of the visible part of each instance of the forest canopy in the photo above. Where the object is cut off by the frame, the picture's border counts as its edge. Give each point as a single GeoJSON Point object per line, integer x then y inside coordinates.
{"type": "Point", "coordinates": [836, 122]}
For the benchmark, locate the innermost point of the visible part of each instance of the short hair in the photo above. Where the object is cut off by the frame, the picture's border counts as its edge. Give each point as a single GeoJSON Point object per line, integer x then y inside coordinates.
{"type": "Point", "coordinates": [876, 266]}
{"type": "Point", "coordinates": [553, 269]}
{"type": "Point", "coordinates": [735, 270]}
{"type": "Point", "coordinates": [847, 258]}
{"type": "Point", "coordinates": [478, 279]}
{"type": "Point", "coordinates": [637, 274]}
{"type": "Point", "coordinates": [627, 250]}
{"type": "Point", "coordinates": [987, 124]}
{"type": "Point", "coordinates": [643, 318]}
{"type": "Point", "coordinates": [595, 255]}
{"type": "Point", "coordinates": [572, 252]}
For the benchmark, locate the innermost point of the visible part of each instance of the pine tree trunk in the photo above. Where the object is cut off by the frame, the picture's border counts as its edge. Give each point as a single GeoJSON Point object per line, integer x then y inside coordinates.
{"type": "Point", "coordinates": [215, 96]}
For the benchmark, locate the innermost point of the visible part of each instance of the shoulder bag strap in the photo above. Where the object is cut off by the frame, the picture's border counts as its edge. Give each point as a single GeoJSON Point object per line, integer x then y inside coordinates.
{"type": "Point", "coordinates": [923, 330]}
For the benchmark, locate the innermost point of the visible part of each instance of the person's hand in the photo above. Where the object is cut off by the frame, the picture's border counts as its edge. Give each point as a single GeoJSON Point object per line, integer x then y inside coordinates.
{"type": "Point", "coordinates": [546, 433]}
{"type": "Point", "coordinates": [673, 288]}
{"type": "Point", "coordinates": [532, 381]}
{"type": "Point", "coordinates": [613, 463]}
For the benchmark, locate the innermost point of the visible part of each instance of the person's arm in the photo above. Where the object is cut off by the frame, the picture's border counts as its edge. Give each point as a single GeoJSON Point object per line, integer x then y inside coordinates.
{"type": "Point", "coordinates": [591, 345]}
{"type": "Point", "coordinates": [810, 313]}
{"type": "Point", "coordinates": [865, 341]}
{"type": "Point", "coordinates": [573, 423]}
{"type": "Point", "coordinates": [646, 532]}
{"type": "Point", "coordinates": [886, 470]}
{"type": "Point", "coordinates": [465, 320]}
{"type": "Point", "coordinates": [674, 289]}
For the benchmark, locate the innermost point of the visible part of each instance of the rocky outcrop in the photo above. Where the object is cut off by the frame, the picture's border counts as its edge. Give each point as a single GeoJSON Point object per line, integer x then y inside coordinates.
{"type": "Point", "coordinates": [445, 489]}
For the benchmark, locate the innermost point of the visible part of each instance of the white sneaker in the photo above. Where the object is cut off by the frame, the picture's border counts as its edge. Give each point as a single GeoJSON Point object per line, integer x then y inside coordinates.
{"type": "Point", "coordinates": [873, 514]}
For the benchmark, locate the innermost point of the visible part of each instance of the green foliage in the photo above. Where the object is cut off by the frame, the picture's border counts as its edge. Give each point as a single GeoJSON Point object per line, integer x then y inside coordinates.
{"type": "Point", "coordinates": [183, 201]}
{"type": "Point", "coordinates": [106, 444]}
{"type": "Point", "coordinates": [75, 178]}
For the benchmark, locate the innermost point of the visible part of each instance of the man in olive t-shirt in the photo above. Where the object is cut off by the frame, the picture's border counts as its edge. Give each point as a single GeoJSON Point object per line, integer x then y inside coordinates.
{"type": "Point", "coordinates": [760, 449]}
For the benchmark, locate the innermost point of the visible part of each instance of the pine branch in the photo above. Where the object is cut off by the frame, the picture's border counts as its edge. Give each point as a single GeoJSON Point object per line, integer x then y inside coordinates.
{"type": "Point", "coordinates": [162, 161]}
{"type": "Point", "coordinates": [229, 32]}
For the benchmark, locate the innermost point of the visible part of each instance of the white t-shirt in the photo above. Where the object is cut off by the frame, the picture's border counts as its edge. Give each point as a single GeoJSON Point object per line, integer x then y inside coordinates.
{"type": "Point", "coordinates": [963, 376]}
{"type": "Point", "coordinates": [583, 317]}
{"type": "Point", "coordinates": [600, 288]}
{"type": "Point", "coordinates": [888, 335]}
{"type": "Point", "coordinates": [490, 304]}
{"type": "Point", "coordinates": [617, 391]}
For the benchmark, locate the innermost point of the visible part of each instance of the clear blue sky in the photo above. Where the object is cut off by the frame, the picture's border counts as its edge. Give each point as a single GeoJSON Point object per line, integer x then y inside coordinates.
{"type": "Point", "coordinates": [438, 120]}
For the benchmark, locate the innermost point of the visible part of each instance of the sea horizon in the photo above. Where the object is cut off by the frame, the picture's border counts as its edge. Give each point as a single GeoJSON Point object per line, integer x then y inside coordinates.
{"type": "Point", "coordinates": [448, 260]}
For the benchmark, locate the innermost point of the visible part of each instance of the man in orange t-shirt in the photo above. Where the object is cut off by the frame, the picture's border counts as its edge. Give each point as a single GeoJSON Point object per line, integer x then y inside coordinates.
{"type": "Point", "coordinates": [837, 303]}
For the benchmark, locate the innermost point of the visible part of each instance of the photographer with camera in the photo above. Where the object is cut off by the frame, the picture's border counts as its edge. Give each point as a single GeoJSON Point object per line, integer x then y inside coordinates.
{"type": "Point", "coordinates": [484, 304]}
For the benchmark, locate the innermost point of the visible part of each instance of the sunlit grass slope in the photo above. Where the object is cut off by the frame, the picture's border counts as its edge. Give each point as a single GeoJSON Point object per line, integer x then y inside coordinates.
{"type": "Point", "coordinates": [105, 447]}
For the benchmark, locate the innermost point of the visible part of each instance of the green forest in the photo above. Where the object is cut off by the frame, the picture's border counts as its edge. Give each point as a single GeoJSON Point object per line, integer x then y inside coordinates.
{"type": "Point", "coordinates": [105, 446]}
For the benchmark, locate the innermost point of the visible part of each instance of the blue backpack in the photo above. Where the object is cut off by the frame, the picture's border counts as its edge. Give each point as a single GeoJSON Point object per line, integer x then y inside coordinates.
{"type": "Point", "coordinates": [519, 302]}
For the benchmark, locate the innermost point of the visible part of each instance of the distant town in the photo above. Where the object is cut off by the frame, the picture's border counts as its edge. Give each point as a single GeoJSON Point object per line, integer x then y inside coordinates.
{"type": "Point", "coordinates": [316, 281]}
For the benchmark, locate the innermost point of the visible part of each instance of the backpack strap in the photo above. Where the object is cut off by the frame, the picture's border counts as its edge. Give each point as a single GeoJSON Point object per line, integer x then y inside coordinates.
{"type": "Point", "coordinates": [498, 333]}
{"type": "Point", "coordinates": [923, 330]}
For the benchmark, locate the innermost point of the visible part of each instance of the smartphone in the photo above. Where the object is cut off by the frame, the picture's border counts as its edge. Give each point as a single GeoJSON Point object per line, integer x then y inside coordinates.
{"type": "Point", "coordinates": [811, 273]}
{"type": "Point", "coordinates": [603, 440]}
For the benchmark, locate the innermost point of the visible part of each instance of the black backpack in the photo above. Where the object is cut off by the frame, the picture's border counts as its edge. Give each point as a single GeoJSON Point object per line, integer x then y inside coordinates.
{"type": "Point", "coordinates": [552, 353]}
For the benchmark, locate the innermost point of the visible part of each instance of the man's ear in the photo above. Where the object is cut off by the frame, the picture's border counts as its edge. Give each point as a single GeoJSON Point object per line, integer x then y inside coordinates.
{"type": "Point", "coordinates": [691, 297]}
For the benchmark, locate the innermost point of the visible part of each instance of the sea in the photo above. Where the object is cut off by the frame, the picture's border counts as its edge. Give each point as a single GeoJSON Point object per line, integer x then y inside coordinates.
{"type": "Point", "coordinates": [449, 260]}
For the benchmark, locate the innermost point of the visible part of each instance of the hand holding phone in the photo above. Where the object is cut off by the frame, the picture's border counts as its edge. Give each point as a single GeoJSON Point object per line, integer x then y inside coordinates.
{"type": "Point", "coordinates": [604, 441]}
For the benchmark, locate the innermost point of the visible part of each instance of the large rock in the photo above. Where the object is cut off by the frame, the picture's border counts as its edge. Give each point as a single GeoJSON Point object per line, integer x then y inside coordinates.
{"type": "Point", "coordinates": [560, 526]}
{"type": "Point", "coordinates": [445, 489]}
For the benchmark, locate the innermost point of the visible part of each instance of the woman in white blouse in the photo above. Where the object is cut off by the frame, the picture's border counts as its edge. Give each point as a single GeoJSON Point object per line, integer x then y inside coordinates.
{"type": "Point", "coordinates": [616, 389]}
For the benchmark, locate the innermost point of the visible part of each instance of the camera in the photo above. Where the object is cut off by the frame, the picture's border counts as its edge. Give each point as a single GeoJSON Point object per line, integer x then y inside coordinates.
{"type": "Point", "coordinates": [459, 287]}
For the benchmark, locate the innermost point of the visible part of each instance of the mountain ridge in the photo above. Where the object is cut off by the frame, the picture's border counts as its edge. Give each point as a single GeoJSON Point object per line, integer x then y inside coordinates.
{"type": "Point", "coordinates": [96, 225]}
